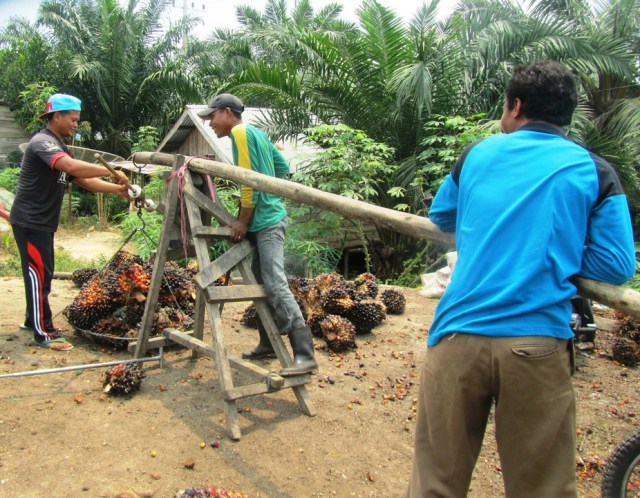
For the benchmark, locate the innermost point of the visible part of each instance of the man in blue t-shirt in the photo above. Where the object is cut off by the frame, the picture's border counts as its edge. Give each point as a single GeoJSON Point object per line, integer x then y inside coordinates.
{"type": "Point", "coordinates": [530, 210]}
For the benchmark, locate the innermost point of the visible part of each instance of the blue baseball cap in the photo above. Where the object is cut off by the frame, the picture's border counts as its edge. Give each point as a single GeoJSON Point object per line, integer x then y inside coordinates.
{"type": "Point", "coordinates": [62, 102]}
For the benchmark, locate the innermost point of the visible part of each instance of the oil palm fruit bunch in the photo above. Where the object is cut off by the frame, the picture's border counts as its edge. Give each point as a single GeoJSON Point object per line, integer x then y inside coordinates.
{"type": "Point", "coordinates": [366, 315]}
{"type": "Point", "coordinates": [394, 300]}
{"type": "Point", "coordinates": [629, 327]}
{"type": "Point", "coordinates": [326, 281]}
{"type": "Point", "coordinates": [223, 280]}
{"type": "Point", "coordinates": [93, 303]}
{"type": "Point", "coordinates": [208, 491]}
{"type": "Point", "coordinates": [366, 284]}
{"type": "Point", "coordinates": [111, 331]}
{"type": "Point", "coordinates": [192, 267]}
{"type": "Point", "coordinates": [336, 301]}
{"type": "Point", "coordinates": [177, 285]}
{"type": "Point", "coordinates": [161, 321]}
{"type": "Point", "coordinates": [314, 320]}
{"type": "Point", "coordinates": [250, 316]}
{"type": "Point", "coordinates": [625, 351]}
{"type": "Point", "coordinates": [83, 275]}
{"type": "Point", "coordinates": [179, 318]}
{"type": "Point", "coordinates": [123, 259]}
{"type": "Point", "coordinates": [132, 313]}
{"type": "Point", "coordinates": [123, 378]}
{"type": "Point", "coordinates": [308, 298]}
{"type": "Point", "coordinates": [338, 332]}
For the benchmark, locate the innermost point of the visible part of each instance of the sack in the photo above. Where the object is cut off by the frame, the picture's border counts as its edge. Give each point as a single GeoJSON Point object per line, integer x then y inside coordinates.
{"type": "Point", "coordinates": [434, 284]}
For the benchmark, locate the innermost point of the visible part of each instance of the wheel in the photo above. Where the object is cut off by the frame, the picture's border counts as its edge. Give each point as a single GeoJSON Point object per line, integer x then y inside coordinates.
{"type": "Point", "coordinates": [621, 476]}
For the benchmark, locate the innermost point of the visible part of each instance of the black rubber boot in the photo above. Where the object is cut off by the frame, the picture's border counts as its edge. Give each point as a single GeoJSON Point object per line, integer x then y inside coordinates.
{"type": "Point", "coordinates": [264, 349]}
{"type": "Point", "coordinates": [303, 360]}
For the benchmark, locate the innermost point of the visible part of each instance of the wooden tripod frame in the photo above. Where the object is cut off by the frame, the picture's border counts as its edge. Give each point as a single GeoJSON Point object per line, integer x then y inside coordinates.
{"type": "Point", "coordinates": [199, 209]}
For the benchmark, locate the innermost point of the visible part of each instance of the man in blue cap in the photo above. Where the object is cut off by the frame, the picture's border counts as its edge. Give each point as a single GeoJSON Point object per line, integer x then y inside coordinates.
{"type": "Point", "coordinates": [47, 167]}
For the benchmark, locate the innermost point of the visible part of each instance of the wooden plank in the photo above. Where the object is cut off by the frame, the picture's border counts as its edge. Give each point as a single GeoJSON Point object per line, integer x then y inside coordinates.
{"type": "Point", "coordinates": [155, 342]}
{"type": "Point", "coordinates": [210, 273]}
{"type": "Point", "coordinates": [621, 298]}
{"type": "Point", "coordinates": [190, 342]}
{"type": "Point", "coordinates": [235, 293]}
{"type": "Point", "coordinates": [14, 132]}
{"type": "Point", "coordinates": [264, 387]}
{"type": "Point", "coordinates": [170, 199]}
{"type": "Point", "coordinates": [212, 232]}
{"type": "Point", "coordinates": [301, 393]}
{"type": "Point", "coordinates": [216, 209]}
{"type": "Point", "coordinates": [224, 370]}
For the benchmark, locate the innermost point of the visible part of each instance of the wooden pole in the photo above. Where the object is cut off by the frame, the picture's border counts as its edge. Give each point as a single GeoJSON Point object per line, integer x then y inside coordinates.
{"type": "Point", "coordinates": [623, 299]}
{"type": "Point", "coordinates": [397, 221]}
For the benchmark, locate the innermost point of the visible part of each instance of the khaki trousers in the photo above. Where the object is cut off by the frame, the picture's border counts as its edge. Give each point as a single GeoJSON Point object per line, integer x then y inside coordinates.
{"type": "Point", "coordinates": [529, 379]}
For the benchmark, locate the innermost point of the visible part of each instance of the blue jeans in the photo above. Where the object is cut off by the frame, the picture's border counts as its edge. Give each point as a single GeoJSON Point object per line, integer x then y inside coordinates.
{"type": "Point", "coordinates": [268, 268]}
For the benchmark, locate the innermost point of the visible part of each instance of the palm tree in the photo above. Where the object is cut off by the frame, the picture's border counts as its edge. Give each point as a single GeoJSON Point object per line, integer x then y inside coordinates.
{"type": "Point", "coordinates": [128, 73]}
{"type": "Point", "coordinates": [388, 78]}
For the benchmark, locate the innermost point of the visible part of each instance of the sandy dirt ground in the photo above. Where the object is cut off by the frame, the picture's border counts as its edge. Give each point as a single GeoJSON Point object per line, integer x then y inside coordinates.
{"type": "Point", "coordinates": [63, 437]}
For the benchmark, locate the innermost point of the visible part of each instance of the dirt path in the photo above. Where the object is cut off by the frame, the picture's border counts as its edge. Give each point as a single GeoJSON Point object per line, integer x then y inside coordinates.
{"type": "Point", "coordinates": [62, 436]}
{"type": "Point", "coordinates": [89, 244]}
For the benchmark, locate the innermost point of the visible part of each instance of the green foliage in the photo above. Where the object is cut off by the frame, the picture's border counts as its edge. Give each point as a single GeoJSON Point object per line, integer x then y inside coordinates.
{"type": "Point", "coordinates": [147, 139]}
{"type": "Point", "coordinates": [350, 164]}
{"type": "Point", "coordinates": [142, 228]}
{"type": "Point", "coordinates": [76, 199]}
{"type": "Point", "coordinates": [13, 159]}
{"type": "Point", "coordinates": [83, 133]}
{"type": "Point", "coordinates": [9, 179]}
{"type": "Point", "coordinates": [445, 138]}
{"type": "Point", "coordinates": [634, 283]}
{"type": "Point", "coordinates": [307, 237]}
{"type": "Point", "coordinates": [34, 100]}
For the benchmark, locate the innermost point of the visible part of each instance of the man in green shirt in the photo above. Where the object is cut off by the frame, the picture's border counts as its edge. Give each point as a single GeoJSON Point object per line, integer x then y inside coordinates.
{"type": "Point", "coordinates": [262, 220]}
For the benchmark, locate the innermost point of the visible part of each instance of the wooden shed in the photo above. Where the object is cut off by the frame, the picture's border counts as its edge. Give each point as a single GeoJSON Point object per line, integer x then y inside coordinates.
{"type": "Point", "coordinates": [192, 136]}
{"type": "Point", "coordinates": [11, 133]}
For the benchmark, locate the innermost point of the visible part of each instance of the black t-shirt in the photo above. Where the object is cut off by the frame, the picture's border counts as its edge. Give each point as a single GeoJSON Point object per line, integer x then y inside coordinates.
{"type": "Point", "coordinates": [41, 188]}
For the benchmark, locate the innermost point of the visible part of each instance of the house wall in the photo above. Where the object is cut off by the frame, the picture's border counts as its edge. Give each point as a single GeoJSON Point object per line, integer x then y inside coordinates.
{"type": "Point", "coordinates": [11, 134]}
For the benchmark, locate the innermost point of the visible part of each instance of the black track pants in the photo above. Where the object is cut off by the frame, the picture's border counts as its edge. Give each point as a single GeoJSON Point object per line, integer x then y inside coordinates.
{"type": "Point", "coordinates": [36, 255]}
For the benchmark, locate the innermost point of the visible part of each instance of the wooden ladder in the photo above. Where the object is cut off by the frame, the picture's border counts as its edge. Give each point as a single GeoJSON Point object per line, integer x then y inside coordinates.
{"type": "Point", "coordinates": [199, 209]}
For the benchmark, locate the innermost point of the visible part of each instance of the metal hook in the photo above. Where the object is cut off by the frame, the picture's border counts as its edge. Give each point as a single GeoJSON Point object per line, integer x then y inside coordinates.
{"type": "Point", "coordinates": [141, 229]}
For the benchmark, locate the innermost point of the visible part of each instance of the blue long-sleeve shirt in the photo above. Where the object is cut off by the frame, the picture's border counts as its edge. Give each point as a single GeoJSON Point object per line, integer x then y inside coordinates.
{"type": "Point", "coordinates": [530, 209]}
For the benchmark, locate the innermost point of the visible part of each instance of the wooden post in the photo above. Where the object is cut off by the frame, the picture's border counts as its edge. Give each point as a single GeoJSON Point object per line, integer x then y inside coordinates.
{"type": "Point", "coordinates": [623, 299]}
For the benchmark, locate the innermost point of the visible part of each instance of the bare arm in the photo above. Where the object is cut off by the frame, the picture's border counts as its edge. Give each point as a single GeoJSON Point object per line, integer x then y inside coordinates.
{"type": "Point", "coordinates": [239, 228]}
{"type": "Point", "coordinates": [98, 185]}
{"type": "Point", "coordinates": [82, 169]}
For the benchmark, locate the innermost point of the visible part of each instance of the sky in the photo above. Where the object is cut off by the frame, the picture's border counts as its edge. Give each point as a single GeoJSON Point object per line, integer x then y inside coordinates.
{"type": "Point", "coordinates": [221, 13]}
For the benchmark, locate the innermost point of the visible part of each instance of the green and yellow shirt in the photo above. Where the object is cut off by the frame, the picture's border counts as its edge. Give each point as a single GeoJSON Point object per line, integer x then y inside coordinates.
{"type": "Point", "coordinates": [253, 150]}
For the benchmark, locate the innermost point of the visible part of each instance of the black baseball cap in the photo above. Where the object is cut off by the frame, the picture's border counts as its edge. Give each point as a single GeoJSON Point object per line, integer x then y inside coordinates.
{"type": "Point", "coordinates": [223, 101]}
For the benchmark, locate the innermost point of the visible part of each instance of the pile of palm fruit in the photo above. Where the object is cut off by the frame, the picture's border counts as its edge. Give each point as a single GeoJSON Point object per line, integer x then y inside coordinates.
{"type": "Point", "coordinates": [625, 345]}
{"type": "Point", "coordinates": [338, 310]}
{"type": "Point", "coordinates": [111, 302]}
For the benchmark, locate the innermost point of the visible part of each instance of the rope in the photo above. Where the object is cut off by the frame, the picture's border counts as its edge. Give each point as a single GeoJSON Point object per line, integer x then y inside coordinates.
{"type": "Point", "coordinates": [180, 174]}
